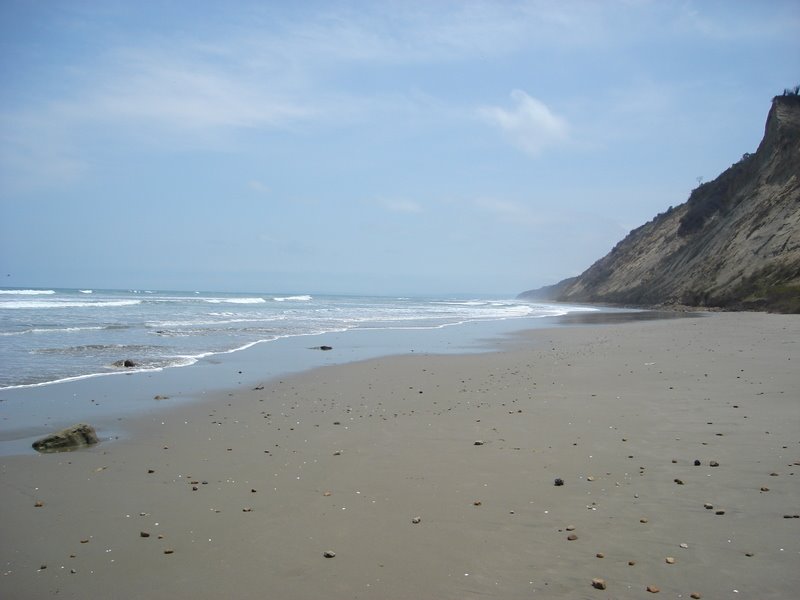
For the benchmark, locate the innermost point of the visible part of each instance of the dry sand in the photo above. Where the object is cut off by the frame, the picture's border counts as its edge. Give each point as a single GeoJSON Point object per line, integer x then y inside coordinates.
{"type": "Point", "coordinates": [250, 489]}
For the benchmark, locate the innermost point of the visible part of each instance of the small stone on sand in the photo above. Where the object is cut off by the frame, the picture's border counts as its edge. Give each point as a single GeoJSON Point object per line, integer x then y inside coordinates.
{"type": "Point", "coordinates": [477, 503]}
{"type": "Point", "coordinates": [599, 583]}
{"type": "Point", "coordinates": [653, 589]}
{"type": "Point", "coordinates": [695, 595]}
{"type": "Point", "coordinates": [572, 537]}
{"type": "Point", "coordinates": [416, 520]}
{"type": "Point", "coordinates": [642, 520]}
{"type": "Point", "coordinates": [144, 534]}
{"type": "Point", "coordinates": [684, 545]}
{"type": "Point", "coordinates": [478, 443]}
{"type": "Point", "coordinates": [558, 481]}
{"type": "Point", "coordinates": [38, 504]}
{"type": "Point", "coordinates": [713, 463]}
{"type": "Point", "coordinates": [669, 560]}
{"type": "Point", "coordinates": [631, 563]}
{"type": "Point", "coordinates": [329, 554]}
{"type": "Point", "coordinates": [708, 505]}
{"type": "Point", "coordinates": [169, 551]}
{"type": "Point", "coordinates": [679, 481]}
{"type": "Point", "coordinates": [600, 555]}
{"type": "Point", "coordinates": [697, 463]}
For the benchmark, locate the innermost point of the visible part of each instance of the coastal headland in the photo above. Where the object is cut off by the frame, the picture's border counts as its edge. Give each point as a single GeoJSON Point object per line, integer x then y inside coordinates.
{"type": "Point", "coordinates": [676, 442]}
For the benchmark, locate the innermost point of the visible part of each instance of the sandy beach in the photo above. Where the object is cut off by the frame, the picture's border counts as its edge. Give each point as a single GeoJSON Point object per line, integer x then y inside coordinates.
{"type": "Point", "coordinates": [434, 477]}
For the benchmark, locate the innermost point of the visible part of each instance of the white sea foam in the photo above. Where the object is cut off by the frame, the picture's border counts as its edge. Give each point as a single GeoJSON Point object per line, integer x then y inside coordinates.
{"type": "Point", "coordinates": [302, 298]}
{"type": "Point", "coordinates": [67, 303]}
{"type": "Point", "coordinates": [27, 292]}
{"type": "Point", "coordinates": [234, 300]}
{"type": "Point", "coordinates": [86, 291]}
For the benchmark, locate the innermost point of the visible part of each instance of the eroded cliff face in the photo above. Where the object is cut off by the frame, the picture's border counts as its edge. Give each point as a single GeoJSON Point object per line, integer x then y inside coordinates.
{"type": "Point", "coordinates": [734, 244]}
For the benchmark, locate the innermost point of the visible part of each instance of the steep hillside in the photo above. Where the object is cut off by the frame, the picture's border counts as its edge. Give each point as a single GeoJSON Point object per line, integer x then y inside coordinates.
{"type": "Point", "coordinates": [734, 244]}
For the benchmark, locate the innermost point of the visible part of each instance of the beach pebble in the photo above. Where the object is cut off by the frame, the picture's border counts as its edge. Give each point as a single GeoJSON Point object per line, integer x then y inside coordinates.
{"type": "Point", "coordinates": [708, 506]}
{"type": "Point", "coordinates": [653, 589]}
{"type": "Point", "coordinates": [684, 545]}
{"type": "Point", "coordinates": [719, 512]}
{"type": "Point", "coordinates": [678, 481]}
{"type": "Point", "coordinates": [416, 520]}
{"type": "Point", "coordinates": [570, 527]}
{"type": "Point", "coordinates": [764, 488]}
{"type": "Point", "coordinates": [695, 595]}
{"type": "Point", "coordinates": [748, 554]}
{"type": "Point", "coordinates": [169, 551]}
{"type": "Point", "coordinates": [599, 583]}
{"type": "Point", "coordinates": [477, 443]}
{"type": "Point", "coordinates": [477, 503]}
{"type": "Point", "coordinates": [144, 534]}
{"type": "Point", "coordinates": [558, 481]}
{"type": "Point", "coordinates": [631, 563]}
{"type": "Point", "coordinates": [697, 463]}
{"type": "Point", "coordinates": [590, 478]}
{"type": "Point", "coordinates": [329, 554]}
{"type": "Point", "coordinates": [572, 537]}
{"type": "Point", "coordinates": [713, 463]}
{"type": "Point", "coordinates": [327, 493]}
{"type": "Point", "coordinates": [600, 555]}
{"type": "Point", "coordinates": [247, 509]}
{"type": "Point", "coordinates": [669, 560]}
{"type": "Point", "coordinates": [642, 520]}
{"type": "Point", "coordinates": [38, 504]}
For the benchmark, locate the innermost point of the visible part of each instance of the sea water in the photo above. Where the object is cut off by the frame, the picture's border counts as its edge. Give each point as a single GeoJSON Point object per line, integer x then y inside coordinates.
{"type": "Point", "coordinates": [56, 335]}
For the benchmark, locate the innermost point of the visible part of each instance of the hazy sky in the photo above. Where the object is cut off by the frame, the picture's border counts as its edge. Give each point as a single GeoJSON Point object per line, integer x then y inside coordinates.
{"type": "Point", "coordinates": [375, 146]}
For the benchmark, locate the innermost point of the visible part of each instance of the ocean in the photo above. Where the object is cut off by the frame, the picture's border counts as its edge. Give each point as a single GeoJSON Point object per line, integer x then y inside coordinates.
{"type": "Point", "coordinates": [57, 335]}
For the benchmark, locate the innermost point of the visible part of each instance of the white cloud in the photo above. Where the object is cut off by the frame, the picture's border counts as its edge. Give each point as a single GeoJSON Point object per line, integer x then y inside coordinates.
{"type": "Point", "coordinates": [404, 206]}
{"type": "Point", "coordinates": [258, 186]}
{"type": "Point", "coordinates": [530, 124]}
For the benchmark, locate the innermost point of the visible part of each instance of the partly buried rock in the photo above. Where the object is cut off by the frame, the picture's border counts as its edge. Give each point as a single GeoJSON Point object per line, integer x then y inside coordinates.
{"type": "Point", "coordinates": [67, 439]}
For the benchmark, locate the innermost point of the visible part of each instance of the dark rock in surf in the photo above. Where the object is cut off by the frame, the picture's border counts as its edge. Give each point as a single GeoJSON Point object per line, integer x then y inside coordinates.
{"type": "Point", "coordinates": [126, 363]}
{"type": "Point", "coordinates": [67, 439]}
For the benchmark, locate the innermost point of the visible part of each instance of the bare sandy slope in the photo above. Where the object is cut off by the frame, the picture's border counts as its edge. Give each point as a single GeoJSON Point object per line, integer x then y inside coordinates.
{"type": "Point", "coordinates": [250, 489]}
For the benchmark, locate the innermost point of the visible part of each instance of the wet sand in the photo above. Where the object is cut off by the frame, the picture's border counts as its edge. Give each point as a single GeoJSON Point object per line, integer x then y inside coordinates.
{"type": "Point", "coordinates": [241, 494]}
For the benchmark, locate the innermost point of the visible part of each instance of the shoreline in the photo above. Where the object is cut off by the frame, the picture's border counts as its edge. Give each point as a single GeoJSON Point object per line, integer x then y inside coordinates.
{"type": "Point", "coordinates": [344, 457]}
{"type": "Point", "coordinates": [28, 412]}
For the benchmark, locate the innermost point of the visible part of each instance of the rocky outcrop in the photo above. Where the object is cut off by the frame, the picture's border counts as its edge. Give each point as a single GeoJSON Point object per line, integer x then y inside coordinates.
{"type": "Point", "coordinates": [734, 244]}
{"type": "Point", "coordinates": [67, 439]}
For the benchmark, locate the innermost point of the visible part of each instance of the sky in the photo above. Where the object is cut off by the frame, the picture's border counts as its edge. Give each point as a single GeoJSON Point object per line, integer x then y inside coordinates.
{"type": "Point", "coordinates": [428, 147]}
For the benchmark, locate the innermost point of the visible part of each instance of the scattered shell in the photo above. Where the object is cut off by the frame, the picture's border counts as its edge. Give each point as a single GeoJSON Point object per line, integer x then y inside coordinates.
{"type": "Point", "coordinates": [600, 555]}
{"type": "Point", "coordinates": [337, 453]}
{"type": "Point", "coordinates": [570, 527]}
{"type": "Point", "coordinates": [764, 488]}
{"type": "Point", "coordinates": [478, 443]}
{"type": "Point", "coordinates": [713, 463]}
{"type": "Point", "coordinates": [708, 505]}
{"type": "Point", "coordinates": [590, 478]}
{"type": "Point", "coordinates": [678, 481]}
{"type": "Point", "coordinates": [599, 583]}
{"type": "Point", "coordinates": [684, 545]}
{"type": "Point", "coordinates": [669, 560]}
{"type": "Point", "coordinates": [695, 595]}
{"type": "Point", "coordinates": [653, 589]}
{"type": "Point", "coordinates": [38, 504]}
{"type": "Point", "coordinates": [327, 493]}
{"type": "Point", "coordinates": [416, 520]}
{"type": "Point", "coordinates": [247, 509]}
{"type": "Point", "coordinates": [329, 554]}
{"type": "Point", "coordinates": [748, 554]}
{"type": "Point", "coordinates": [85, 541]}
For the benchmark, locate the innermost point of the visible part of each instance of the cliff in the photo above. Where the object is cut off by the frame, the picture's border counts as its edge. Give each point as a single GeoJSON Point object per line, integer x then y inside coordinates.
{"type": "Point", "coordinates": [734, 244]}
